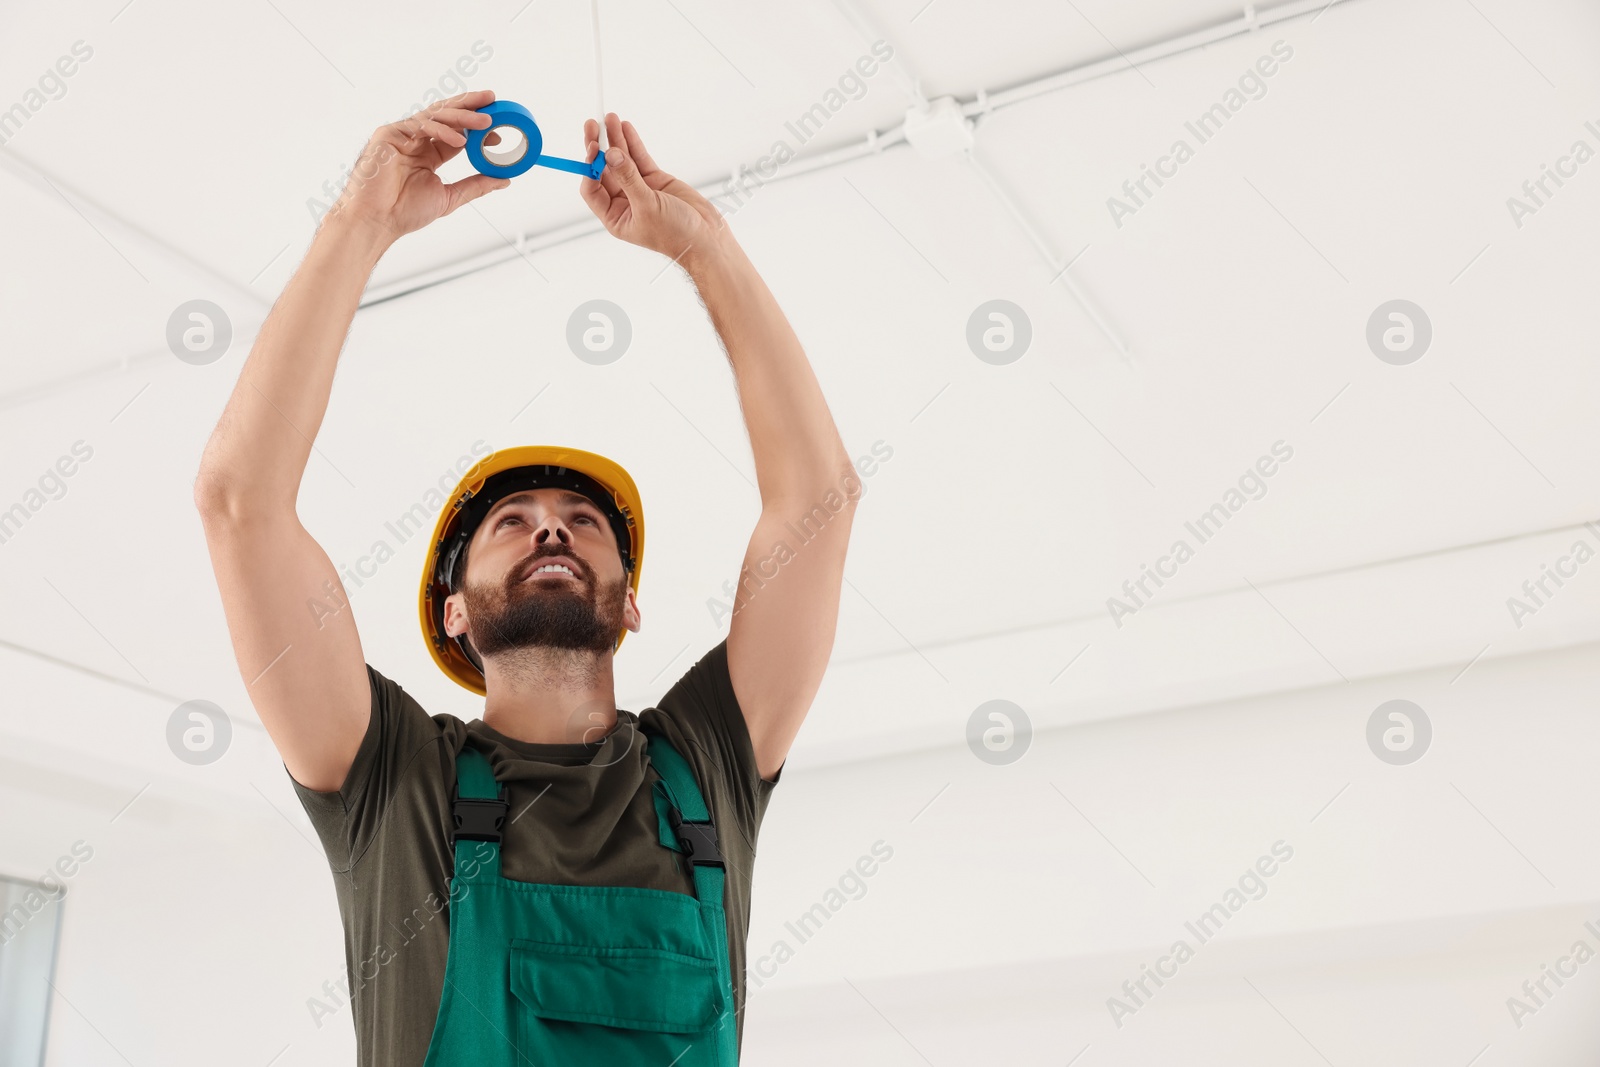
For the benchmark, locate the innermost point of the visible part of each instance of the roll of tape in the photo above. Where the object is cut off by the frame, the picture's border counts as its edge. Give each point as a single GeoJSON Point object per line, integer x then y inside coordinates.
{"type": "Point", "coordinates": [501, 161]}
{"type": "Point", "coordinates": [505, 161]}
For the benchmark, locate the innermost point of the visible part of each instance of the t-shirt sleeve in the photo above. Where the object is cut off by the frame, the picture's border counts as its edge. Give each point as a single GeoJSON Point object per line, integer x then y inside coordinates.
{"type": "Point", "coordinates": [703, 707]}
{"type": "Point", "coordinates": [347, 819]}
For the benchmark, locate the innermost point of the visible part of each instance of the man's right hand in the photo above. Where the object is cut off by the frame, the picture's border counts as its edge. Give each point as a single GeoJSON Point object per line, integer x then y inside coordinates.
{"type": "Point", "coordinates": [393, 188]}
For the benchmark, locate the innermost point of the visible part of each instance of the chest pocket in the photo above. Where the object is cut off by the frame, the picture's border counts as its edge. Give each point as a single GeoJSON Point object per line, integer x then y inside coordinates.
{"type": "Point", "coordinates": [585, 1004]}
{"type": "Point", "coordinates": [614, 975]}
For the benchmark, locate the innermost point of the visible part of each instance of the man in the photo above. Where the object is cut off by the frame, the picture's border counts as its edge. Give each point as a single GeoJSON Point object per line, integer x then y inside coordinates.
{"type": "Point", "coordinates": [608, 905]}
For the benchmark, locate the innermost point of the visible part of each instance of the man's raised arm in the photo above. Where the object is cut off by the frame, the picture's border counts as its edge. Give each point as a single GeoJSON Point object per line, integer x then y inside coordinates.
{"type": "Point", "coordinates": [304, 669]}
{"type": "Point", "coordinates": [783, 626]}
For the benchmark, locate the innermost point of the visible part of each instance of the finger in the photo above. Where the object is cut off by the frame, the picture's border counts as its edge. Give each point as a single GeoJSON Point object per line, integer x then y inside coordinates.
{"type": "Point", "coordinates": [471, 100]}
{"type": "Point", "coordinates": [447, 137]}
{"type": "Point", "coordinates": [450, 126]}
{"type": "Point", "coordinates": [420, 127]}
{"type": "Point", "coordinates": [637, 150]}
{"type": "Point", "coordinates": [613, 130]}
{"type": "Point", "coordinates": [600, 195]}
{"type": "Point", "coordinates": [415, 145]}
{"type": "Point", "coordinates": [441, 117]}
{"type": "Point", "coordinates": [469, 189]}
{"type": "Point", "coordinates": [591, 151]}
{"type": "Point", "coordinates": [463, 118]}
{"type": "Point", "coordinates": [594, 194]}
{"type": "Point", "coordinates": [418, 117]}
{"type": "Point", "coordinates": [392, 136]}
{"type": "Point", "coordinates": [618, 163]}
{"type": "Point", "coordinates": [609, 177]}
{"type": "Point", "coordinates": [402, 130]}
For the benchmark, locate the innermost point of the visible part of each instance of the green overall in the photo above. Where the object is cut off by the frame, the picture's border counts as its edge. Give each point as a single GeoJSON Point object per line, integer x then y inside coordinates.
{"type": "Point", "coordinates": [555, 975]}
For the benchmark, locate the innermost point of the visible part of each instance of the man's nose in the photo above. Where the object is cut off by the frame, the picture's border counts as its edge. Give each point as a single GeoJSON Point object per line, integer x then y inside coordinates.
{"type": "Point", "coordinates": [552, 528]}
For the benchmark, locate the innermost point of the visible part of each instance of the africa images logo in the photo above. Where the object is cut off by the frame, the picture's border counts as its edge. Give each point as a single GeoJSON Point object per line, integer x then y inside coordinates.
{"type": "Point", "coordinates": [1250, 86]}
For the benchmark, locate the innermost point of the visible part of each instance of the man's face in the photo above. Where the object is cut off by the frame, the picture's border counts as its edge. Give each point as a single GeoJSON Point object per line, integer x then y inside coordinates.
{"type": "Point", "coordinates": [507, 602]}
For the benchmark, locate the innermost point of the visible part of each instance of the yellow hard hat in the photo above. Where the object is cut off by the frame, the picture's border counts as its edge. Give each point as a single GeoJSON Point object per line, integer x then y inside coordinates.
{"type": "Point", "coordinates": [514, 470]}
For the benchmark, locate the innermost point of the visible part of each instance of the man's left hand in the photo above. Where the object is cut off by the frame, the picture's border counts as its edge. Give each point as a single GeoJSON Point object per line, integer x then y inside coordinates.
{"type": "Point", "coordinates": [643, 204]}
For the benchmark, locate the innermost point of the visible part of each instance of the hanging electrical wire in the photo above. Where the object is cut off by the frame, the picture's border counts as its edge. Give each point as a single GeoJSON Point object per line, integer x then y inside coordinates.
{"type": "Point", "coordinates": [599, 77]}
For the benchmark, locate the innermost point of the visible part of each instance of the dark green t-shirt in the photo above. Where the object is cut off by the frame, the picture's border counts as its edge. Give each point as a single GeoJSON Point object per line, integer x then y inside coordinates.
{"type": "Point", "coordinates": [581, 814]}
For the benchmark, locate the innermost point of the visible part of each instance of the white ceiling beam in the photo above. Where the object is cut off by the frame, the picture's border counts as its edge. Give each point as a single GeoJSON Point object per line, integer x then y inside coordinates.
{"type": "Point", "coordinates": [1442, 614]}
{"type": "Point", "coordinates": [123, 234]}
{"type": "Point", "coordinates": [1247, 22]}
{"type": "Point", "coordinates": [53, 188]}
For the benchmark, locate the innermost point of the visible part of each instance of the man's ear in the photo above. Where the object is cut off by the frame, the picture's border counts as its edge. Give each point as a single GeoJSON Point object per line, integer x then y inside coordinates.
{"type": "Point", "coordinates": [455, 615]}
{"type": "Point", "coordinates": [630, 612]}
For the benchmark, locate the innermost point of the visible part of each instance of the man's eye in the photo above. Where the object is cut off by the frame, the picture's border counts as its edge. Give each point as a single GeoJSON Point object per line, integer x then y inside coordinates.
{"type": "Point", "coordinates": [513, 518]}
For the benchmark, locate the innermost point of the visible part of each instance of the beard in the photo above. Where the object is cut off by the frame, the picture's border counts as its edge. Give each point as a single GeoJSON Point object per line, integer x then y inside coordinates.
{"type": "Point", "coordinates": [544, 614]}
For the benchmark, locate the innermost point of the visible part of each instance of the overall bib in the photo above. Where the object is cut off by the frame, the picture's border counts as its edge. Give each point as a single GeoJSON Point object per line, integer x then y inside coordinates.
{"type": "Point", "coordinates": [545, 975]}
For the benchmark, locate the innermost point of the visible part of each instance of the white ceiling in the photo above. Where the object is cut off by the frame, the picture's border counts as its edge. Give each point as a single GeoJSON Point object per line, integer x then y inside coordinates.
{"type": "Point", "coordinates": [1377, 166]}
{"type": "Point", "coordinates": [1373, 168]}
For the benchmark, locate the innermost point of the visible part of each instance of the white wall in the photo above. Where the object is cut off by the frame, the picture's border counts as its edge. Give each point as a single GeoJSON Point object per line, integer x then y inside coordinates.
{"type": "Point", "coordinates": [1415, 904]}
{"type": "Point", "coordinates": [1003, 920]}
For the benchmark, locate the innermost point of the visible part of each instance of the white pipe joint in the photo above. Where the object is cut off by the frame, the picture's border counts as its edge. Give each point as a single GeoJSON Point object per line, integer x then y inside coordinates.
{"type": "Point", "coordinates": [939, 129]}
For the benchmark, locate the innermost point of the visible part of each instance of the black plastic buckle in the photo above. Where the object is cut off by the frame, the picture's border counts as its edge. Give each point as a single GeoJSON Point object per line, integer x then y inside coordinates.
{"type": "Point", "coordinates": [480, 820]}
{"type": "Point", "coordinates": [699, 840]}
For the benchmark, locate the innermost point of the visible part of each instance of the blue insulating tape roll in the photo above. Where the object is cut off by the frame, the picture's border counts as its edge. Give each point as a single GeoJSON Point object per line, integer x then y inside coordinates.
{"type": "Point", "coordinates": [504, 164]}
{"type": "Point", "coordinates": [505, 113]}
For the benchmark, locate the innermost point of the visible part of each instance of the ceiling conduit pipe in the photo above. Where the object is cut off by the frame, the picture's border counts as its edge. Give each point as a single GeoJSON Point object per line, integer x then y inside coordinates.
{"type": "Point", "coordinates": [875, 141]}
{"type": "Point", "coordinates": [878, 140]}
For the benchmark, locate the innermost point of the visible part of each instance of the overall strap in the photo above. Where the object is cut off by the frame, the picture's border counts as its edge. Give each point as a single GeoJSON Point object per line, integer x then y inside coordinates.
{"type": "Point", "coordinates": [687, 818]}
{"type": "Point", "coordinates": [480, 804]}
{"type": "Point", "coordinates": [474, 777]}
